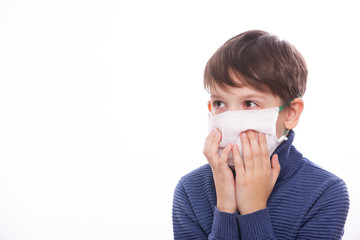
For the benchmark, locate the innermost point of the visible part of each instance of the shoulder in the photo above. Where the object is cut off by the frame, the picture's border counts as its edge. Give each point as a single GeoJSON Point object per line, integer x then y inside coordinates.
{"type": "Point", "coordinates": [199, 175]}
{"type": "Point", "coordinates": [194, 202]}
{"type": "Point", "coordinates": [196, 179]}
{"type": "Point", "coordinates": [323, 184]}
{"type": "Point", "coordinates": [311, 183]}
{"type": "Point", "coordinates": [313, 172]}
{"type": "Point", "coordinates": [195, 184]}
{"type": "Point", "coordinates": [313, 201]}
{"type": "Point", "coordinates": [195, 193]}
{"type": "Point", "coordinates": [327, 202]}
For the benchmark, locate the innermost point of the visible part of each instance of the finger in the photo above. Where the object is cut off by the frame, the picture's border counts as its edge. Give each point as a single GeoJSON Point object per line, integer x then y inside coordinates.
{"type": "Point", "coordinates": [208, 141]}
{"type": "Point", "coordinates": [255, 148]}
{"type": "Point", "coordinates": [275, 168]}
{"type": "Point", "coordinates": [248, 161]}
{"type": "Point", "coordinates": [225, 155]}
{"type": "Point", "coordinates": [212, 148]}
{"type": "Point", "coordinates": [264, 151]}
{"type": "Point", "coordinates": [239, 165]}
{"type": "Point", "coordinates": [214, 144]}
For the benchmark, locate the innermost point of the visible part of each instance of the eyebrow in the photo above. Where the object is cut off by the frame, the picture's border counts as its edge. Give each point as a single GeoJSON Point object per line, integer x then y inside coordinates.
{"type": "Point", "coordinates": [254, 96]}
{"type": "Point", "coordinates": [214, 96]}
{"type": "Point", "coordinates": [249, 96]}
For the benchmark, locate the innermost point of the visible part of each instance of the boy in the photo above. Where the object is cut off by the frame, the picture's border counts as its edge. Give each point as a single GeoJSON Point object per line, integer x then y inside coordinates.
{"type": "Point", "coordinates": [257, 185]}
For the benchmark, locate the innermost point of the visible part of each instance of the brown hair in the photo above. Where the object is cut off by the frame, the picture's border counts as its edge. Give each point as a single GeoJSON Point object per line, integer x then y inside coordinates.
{"type": "Point", "coordinates": [260, 59]}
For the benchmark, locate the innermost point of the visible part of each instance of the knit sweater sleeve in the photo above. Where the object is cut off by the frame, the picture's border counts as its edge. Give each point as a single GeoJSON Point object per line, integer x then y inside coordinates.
{"type": "Point", "coordinates": [256, 225]}
{"type": "Point", "coordinates": [186, 224]}
{"type": "Point", "coordinates": [325, 219]}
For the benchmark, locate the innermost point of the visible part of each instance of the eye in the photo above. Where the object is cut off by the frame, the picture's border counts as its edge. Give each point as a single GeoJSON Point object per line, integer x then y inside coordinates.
{"type": "Point", "coordinates": [218, 104]}
{"type": "Point", "coordinates": [250, 104]}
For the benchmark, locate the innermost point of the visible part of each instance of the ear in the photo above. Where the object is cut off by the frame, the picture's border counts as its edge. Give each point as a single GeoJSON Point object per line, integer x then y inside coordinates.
{"type": "Point", "coordinates": [209, 106]}
{"type": "Point", "coordinates": [294, 111]}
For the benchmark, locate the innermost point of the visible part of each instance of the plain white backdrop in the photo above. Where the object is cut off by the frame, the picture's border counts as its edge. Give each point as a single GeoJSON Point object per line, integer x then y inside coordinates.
{"type": "Point", "coordinates": [102, 106]}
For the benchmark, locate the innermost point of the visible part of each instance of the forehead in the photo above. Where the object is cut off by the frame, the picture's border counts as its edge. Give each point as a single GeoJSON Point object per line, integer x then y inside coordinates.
{"type": "Point", "coordinates": [244, 93]}
{"type": "Point", "coordinates": [241, 88]}
{"type": "Point", "coordinates": [241, 91]}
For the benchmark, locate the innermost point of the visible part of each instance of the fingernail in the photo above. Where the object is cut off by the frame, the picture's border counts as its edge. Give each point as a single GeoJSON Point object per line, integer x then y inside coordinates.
{"type": "Point", "coordinates": [235, 147]}
{"type": "Point", "coordinates": [243, 135]}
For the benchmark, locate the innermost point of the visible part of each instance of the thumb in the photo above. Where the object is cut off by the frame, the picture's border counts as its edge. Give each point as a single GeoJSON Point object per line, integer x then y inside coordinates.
{"type": "Point", "coordinates": [275, 168]}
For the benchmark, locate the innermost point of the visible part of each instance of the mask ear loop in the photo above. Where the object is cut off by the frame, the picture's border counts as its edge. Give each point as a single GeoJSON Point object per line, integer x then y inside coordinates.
{"type": "Point", "coordinates": [282, 107]}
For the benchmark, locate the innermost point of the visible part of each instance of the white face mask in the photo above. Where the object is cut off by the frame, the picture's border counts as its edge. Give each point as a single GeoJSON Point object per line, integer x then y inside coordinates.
{"type": "Point", "coordinates": [232, 123]}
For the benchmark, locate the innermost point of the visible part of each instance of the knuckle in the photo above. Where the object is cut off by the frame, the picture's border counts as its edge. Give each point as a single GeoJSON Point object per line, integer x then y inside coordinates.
{"type": "Point", "coordinates": [247, 155]}
{"type": "Point", "coordinates": [205, 150]}
{"type": "Point", "coordinates": [257, 154]}
{"type": "Point", "coordinates": [265, 174]}
{"type": "Point", "coordinates": [242, 181]}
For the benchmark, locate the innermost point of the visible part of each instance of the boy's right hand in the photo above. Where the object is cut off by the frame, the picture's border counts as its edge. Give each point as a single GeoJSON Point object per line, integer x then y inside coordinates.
{"type": "Point", "coordinates": [222, 174]}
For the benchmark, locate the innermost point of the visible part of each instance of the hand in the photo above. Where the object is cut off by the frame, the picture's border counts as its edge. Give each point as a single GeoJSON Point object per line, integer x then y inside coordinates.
{"type": "Point", "coordinates": [255, 176]}
{"type": "Point", "coordinates": [222, 174]}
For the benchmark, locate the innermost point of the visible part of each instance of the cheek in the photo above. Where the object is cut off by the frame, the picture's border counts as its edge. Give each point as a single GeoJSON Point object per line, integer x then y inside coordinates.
{"type": "Point", "coordinates": [216, 111]}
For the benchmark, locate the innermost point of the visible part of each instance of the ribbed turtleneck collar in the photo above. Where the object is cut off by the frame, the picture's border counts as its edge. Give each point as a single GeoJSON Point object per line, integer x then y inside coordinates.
{"type": "Point", "coordinates": [289, 158]}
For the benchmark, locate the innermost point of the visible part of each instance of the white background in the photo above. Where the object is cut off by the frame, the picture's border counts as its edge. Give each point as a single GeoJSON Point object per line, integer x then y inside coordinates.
{"type": "Point", "coordinates": [102, 107]}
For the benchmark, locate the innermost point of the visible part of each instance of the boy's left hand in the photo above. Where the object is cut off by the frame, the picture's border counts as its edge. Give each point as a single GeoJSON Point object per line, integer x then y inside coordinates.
{"type": "Point", "coordinates": [255, 176]}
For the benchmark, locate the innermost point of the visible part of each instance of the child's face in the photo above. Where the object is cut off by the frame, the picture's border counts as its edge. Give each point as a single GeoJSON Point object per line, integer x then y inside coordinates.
{"type": "Point", "coordinates": [246, 98]}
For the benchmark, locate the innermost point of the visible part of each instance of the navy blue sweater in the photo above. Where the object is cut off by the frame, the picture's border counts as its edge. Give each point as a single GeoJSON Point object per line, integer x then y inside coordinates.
{"type": "Point", "coordinates": [307, 202]}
